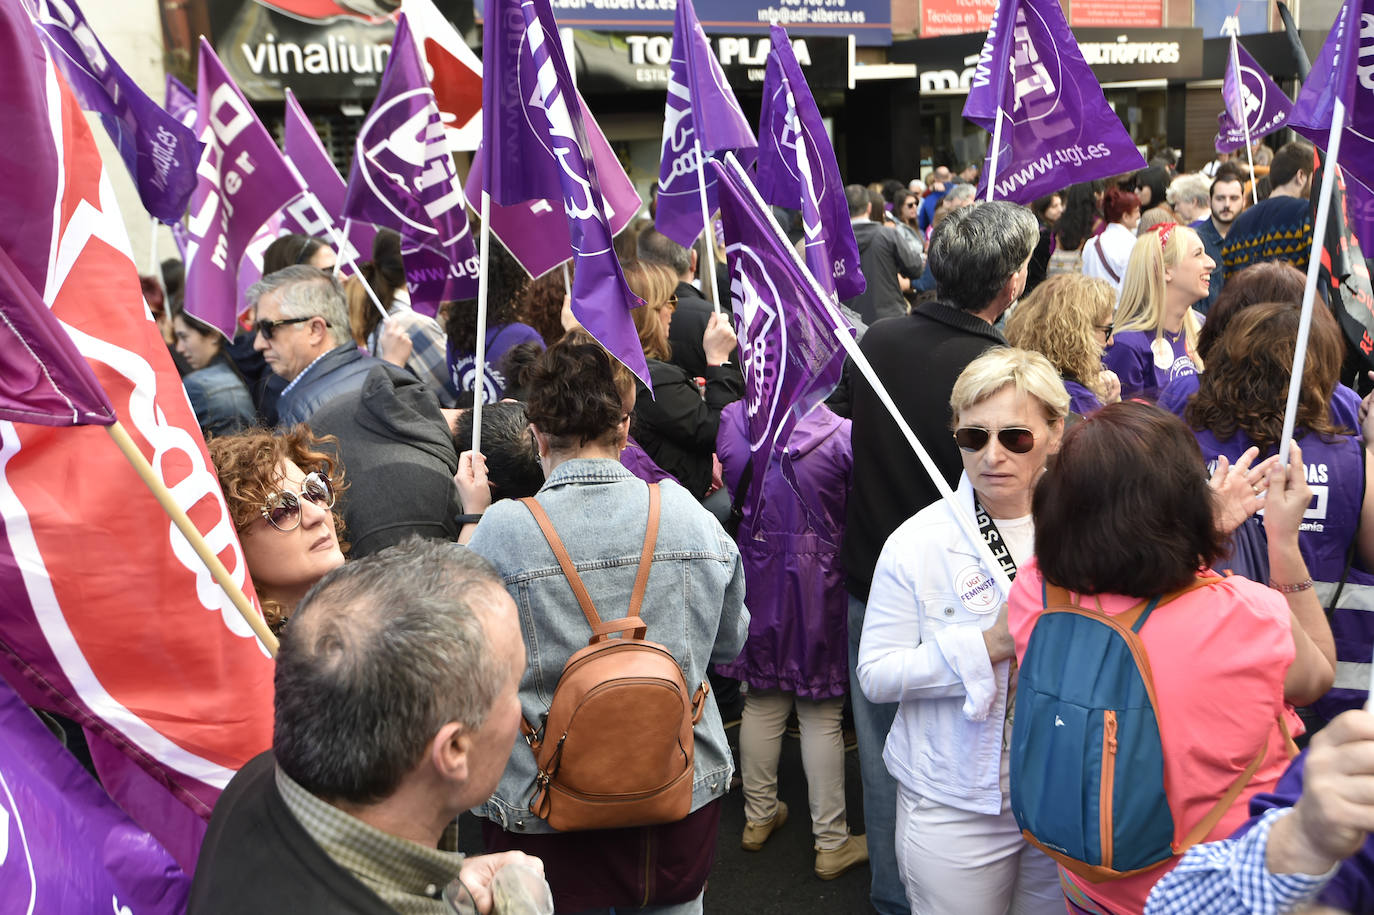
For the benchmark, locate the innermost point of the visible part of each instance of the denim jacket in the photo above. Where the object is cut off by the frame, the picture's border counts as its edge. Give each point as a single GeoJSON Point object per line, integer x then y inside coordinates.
{"type": "Point", "coordinates": [694, 604]}
{"type": "Point", "coordinates": [220, 399]}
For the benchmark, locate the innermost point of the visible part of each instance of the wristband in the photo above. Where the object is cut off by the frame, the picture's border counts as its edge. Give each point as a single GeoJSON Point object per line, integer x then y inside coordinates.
{"type": "Point", "coordinates": [468, 519]}
{"type": "Point", "coordinates": [1291, 589]}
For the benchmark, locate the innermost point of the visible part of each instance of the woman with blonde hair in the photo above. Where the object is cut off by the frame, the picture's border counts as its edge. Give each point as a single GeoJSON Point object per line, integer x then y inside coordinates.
{"type": "Point", "coordinates": [1068, 319]}
{"type": "Point", "coordinates": [280, 488]}
{"type": "Point", "coordinates": [1156, 329]}
{"type": "Point", "coordinates": [677, 424]}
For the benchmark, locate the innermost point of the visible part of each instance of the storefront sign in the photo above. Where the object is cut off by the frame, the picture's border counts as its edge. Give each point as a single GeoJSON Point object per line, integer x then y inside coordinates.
{"type": "Point", "coordinates": [1117, 13]}
{"type": "Point", "coordinates": [956, 17]}
{"type": "Point", "coordinates": [614, 62]}
{"type": "Point", "coordinates": [332, 50]}
{"type": "Point", "coordinates": [869, 21]}
{"type": "Point", "coordinates": [945, 65]}
{"type": "Point", "coordinates": [1212, 16]}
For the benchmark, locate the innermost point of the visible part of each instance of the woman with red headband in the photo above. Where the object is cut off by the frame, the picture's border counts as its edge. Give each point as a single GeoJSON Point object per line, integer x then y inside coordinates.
{"type": "Point", "coordinates": [1156, 329]}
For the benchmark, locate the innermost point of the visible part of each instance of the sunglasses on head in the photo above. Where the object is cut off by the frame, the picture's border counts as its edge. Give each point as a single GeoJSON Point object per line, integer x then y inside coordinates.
{"type": "Point", "coordinates": [972, 439]}
{"type": "Point", "coordinates": [268, 328]}
{"type": "Point", "coordinates": [283, 508]}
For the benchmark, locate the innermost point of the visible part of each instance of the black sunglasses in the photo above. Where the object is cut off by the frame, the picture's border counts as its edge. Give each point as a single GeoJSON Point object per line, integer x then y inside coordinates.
{"type": "Point", "coordinates": [1106, 328]}
{"type": "Point", "coordinates": [972, 439]}
{"type": "Point", "coordinates": [283, 509]}
{"type": "Point", "coordinates": [268, 328]}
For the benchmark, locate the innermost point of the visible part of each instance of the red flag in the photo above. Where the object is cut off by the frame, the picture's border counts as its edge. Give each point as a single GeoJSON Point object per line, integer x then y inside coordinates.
{"type": "Point", "coordinates": [106, 614]}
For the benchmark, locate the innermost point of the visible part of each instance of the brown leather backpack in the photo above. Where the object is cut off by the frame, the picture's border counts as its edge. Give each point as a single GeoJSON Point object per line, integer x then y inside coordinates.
{"type": "Point", "coordinates": [617, 744]}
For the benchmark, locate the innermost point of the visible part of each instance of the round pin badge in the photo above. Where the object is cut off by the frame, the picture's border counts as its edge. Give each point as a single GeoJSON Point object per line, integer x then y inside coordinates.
{"type": "Point", "coordinates": [976, 589]}
{"type": "Point", "coordinates": [1164, 353]}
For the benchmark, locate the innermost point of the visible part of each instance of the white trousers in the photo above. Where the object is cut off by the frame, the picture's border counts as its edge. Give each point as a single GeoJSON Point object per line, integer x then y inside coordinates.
{"type": "Point", "coordinates": [953, 860]}
{"type": "Point", "coordinates": [760, 742]}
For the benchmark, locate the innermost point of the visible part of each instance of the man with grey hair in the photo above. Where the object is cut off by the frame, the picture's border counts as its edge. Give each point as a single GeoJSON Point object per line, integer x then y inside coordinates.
{"type": "Point", "coordinates": [396, 709]}
{"type": "Point", "coordinates": [301, 328]}
{"type": "Point", "coordinates": [979, 256]}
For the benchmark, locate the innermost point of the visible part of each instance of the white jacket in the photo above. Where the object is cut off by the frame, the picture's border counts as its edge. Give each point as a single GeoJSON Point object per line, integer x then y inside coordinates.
{"type": "Point", "coordinates": [923, 647]}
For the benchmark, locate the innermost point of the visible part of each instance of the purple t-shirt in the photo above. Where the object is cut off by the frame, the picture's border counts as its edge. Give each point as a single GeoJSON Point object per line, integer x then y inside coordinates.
{"type": "Point", "coordinates": [1335, 473]}
{"type": "Point", "coordinates": [1081, 400]}
{"type": "Point", "coordinates": [1146, 365]}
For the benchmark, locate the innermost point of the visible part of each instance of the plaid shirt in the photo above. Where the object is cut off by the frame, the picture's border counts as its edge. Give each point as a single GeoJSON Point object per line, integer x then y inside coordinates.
{"type": "Point", "coordinates": [429, 350]}
{"type": "Point", "coordinates": [406, 876]}
{"type": "Point", "coordinates": [1229, 877]}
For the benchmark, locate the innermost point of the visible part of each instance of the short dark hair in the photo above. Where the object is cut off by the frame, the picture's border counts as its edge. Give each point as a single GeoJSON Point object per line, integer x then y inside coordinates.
{"type": "Point", "coordinates": [1225, 176]}
{"type": "Point", "coordinates": [653, 247]}
{"type": "Point", "coordinates": [856, 195]}
{"type": "Point", "coordinates": [572, 394]}
{"type": "Point", "coordinates": [976, 249]}
{"type": "Point", "coordinates": [289, 251]}
{"type": "Point", "coordinates": [512, 459]}
{"type": "Point", "coordinates": [1125, 507]}
{"type": "Point", "coordinates": [1291, 158]}
{"type": "Point", "coordinates": [380, 654]}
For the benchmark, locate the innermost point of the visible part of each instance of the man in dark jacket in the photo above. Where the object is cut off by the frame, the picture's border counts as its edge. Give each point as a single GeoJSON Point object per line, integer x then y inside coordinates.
{"type": "Point", "coordinates": [302, 332]}
{"type": "Point", "coordinates": [882, 255]}
{"type": "Point", "coordinates": [979, 256]}
{"type": "Point", "coordinates": [396, 708]}
{"type": "Point", "coordinates": [693, 311]}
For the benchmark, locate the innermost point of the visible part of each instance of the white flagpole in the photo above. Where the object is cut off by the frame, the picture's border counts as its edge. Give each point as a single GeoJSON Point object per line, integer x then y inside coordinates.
{"type": "Point", "coordinates": [567, 280]}
{"type": "Point", "coordinates": [345, 255]}
{"type": "Point", "coordinates": [1244, 121]}
{"type": "Point", "coordinates": [846, 338]}
{"type": "Point", "coordinates": [708, 233]}
{"type": "Point", "coordinates": [992, 159]}
{"type": "Point", "coordinates": [479, 383]}
{"type": "Point", "coordinates": [1314, 261]}
{"type": "Point", "coordinates": [154, 268]}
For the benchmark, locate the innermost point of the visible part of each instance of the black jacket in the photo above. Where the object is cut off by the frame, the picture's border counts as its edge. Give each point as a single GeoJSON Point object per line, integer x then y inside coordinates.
{"type": "Point", "coordinates": [399, 461]}
{"type": "Point", "coordinates": [257, 857]}
{"type": "Point", "coordinates": [917, 357]}
{"type": "Point", "coordinates": [686, 330]}
{"type": "Point", "coordinates": [677, 427]}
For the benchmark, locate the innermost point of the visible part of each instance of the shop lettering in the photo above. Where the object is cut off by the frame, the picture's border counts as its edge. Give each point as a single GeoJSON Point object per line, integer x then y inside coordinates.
{"type": "Point", "coordinates": [335, 55]}
{"type": "Point", "coordinates": [1130, 52]}
{"type": "Point", "coordinates": [933, 81]}
{"type": "Point", "coordinates": [656, 50]}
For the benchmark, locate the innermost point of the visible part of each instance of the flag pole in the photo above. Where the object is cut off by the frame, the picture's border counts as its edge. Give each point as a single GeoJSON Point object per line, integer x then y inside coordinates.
{"type": "Point", "coordinates": [479, 380]}
{"type": "Point", "coordinates": [1244, 121]}
{"type": "Point", "coordinates": [193, 536]}
{"type": "Point", "coordinates": [1314, 261]}
{"type": "Point", "coordinates": [846, 338]}
{"type": "Point", "coordinates": [707, 232]}
{"type": "Point", "coordinates": [992, 159]}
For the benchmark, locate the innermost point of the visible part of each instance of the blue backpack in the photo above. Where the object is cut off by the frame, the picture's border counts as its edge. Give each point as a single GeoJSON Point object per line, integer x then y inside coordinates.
{"type": "Point", "coordinates": [1088, 785]}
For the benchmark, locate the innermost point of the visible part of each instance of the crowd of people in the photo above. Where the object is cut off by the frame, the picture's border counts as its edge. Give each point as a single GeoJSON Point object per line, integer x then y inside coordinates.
{"type": "Point", "coordinates": [1100, 378]}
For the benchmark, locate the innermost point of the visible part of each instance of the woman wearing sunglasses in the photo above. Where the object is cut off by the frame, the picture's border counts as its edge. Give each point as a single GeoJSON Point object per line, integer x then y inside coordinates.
{"type": "Point", "coordinates": [935, 640]}
{"type": "Point", "coordinates": [1068, 319]}
{"type": "Point", "coordinates": [280, 488]}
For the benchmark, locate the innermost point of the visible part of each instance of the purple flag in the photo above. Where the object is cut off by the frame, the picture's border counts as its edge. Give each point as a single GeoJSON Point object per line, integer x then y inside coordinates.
{"type": "Point", "coordinates": [305, 151]}
{"type": "Point", "coordinates": [1251, 95]}
{"type": "Point", "coordinates": [160, 152]}
{"type": "Point", "coordinates": [536, 231]}
{"type": "Point", "coordinates": [1057, 128]}
{"type": "Point", "coordinates": [700, 106]}
{"type": "Point", "coordinates": [1338, 72]}
{"type": "Point", "coordinates": [790, 354]}
{"type": "Point", "coordinates": [181, 102]}
{"type": "Point", "coordinates": [797, 170]}
{"type": "Point", "coordinates": [243, 181]}
{"type": "Point", "coordinates": [64, 844]}
{"type": "Point", "coordinates": [43, 378]}
{"type": "Point", "coordinates": [531, 117]}
{"type": "Point", "coordinates": [403, 176]}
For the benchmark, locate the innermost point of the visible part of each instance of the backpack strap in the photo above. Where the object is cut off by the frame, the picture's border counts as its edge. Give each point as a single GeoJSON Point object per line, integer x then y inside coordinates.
{"type": "Point", "coordinates": [646, 555]}
{"type": "Point", "coordinates": [1199, 832]}
{"type": "Point", "coordinates": [560, 552]}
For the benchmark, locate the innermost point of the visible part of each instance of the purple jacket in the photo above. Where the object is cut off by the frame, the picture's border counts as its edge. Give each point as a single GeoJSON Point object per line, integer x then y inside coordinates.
{"type": "Point", "coordinates": [798, 631]}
